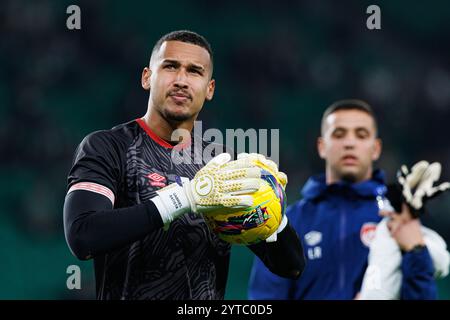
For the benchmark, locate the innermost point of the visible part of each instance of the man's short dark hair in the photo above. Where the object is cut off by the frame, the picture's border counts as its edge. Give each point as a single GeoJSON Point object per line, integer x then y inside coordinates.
{"type": "Point", "coordinates": [187, 37]}
{"type": "Point", "coordinates": [349, 104]}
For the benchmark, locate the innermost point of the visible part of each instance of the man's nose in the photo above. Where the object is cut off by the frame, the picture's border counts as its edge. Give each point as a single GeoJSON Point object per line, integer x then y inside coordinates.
{"type": "Point", "coordinates": [349, 142]}
{"type": "Point", "coordinates": [181, 79]}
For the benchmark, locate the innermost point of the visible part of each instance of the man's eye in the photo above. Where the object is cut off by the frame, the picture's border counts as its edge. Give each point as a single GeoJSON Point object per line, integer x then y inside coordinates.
{"type": "Point", "coordinates": [362, 135]}
{"type": "Point", "coordinates": [169, 67]}
{"type": "Point", "coordinates": [196, 71]}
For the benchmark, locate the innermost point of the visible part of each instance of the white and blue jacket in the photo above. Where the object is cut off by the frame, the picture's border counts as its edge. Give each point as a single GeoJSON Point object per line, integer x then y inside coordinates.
{"type": "Point", "coordinates": [336, 223]}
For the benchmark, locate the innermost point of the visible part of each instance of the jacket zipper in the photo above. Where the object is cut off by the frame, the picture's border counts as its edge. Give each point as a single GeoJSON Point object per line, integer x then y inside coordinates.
{"type": "Point", "coordinates": [342, 227]}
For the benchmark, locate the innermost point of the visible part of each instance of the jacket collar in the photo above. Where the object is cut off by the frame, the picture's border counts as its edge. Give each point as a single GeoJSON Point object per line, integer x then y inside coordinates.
{"type": "Point", "coordinates": [316, 186]}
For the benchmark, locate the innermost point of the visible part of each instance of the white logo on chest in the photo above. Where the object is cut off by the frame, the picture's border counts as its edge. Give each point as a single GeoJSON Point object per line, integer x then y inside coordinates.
{"type": "Point", "coordinates": [312, 239]}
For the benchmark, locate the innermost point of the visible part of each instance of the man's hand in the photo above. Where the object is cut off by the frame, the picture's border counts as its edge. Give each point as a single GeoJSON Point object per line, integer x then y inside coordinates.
{"type": "Point", "coordinates": [416, 187]}
{"type": "Point", "coordinates": [405, 229]}
{"type": "Point", "coordinates": [220, 184]}
{"type": "Point", "coordinates": [250, 159]}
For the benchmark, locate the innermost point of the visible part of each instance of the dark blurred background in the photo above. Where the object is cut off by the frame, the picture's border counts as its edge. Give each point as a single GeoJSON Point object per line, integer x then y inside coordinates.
{"type": "Point", "coordinates": [278, 64]}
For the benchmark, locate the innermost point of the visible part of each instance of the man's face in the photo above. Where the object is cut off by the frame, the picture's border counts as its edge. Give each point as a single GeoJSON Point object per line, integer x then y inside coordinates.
{"type": "Point", "coordinates": [179, 80]}
{"type": "Point", "coordinates": [349, 145]}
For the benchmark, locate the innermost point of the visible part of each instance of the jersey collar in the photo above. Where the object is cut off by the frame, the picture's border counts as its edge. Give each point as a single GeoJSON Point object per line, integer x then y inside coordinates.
{"type": "Point", "coordinates": [159, 140]}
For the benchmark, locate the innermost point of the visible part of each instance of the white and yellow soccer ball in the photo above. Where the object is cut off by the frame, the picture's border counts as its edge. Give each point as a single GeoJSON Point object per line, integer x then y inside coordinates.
{"type": "Point", "coordinates": [256, 223]}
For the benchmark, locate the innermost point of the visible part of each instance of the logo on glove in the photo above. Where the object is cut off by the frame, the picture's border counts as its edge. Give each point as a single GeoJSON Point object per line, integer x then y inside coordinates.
{"type": "Point", "coordinates": [204, 185]}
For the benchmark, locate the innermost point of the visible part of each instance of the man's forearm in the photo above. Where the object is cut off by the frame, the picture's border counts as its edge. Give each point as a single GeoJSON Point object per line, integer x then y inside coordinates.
{"type": "Point", "coordinates": [418, 282]}
{"type": "Point", "coordinates": [283, 257]}
{"type": "Point", "coordinates": [92, 227]}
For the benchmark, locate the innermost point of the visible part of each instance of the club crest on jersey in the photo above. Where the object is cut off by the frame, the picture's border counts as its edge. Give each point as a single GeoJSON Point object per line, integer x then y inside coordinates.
{"type": "Point", "coordinates": [156, 180]}
{"type": "Point", "coordinates": [367, 233]}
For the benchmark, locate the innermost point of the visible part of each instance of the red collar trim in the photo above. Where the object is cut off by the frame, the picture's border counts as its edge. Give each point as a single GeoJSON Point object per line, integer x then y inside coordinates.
{"type": "Point", "coordinates": [153, 135]}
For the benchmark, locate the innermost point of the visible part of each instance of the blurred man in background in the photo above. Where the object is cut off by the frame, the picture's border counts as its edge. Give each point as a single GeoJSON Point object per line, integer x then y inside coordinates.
{"type": "Point", "coordinates": [138, 214]}
{"type": "Point", "coordinates": [338, 216]}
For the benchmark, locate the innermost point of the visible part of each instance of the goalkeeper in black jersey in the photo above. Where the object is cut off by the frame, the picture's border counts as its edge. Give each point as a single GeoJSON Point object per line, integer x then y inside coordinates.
{"type": "Point", "coordinates": [139, 215]}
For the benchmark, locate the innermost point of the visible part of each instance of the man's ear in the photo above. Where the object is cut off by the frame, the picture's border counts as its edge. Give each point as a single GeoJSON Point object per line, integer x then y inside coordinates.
{"type": "Point", "coordinates": [145, 78]}
{"type": "Point", "coordinates": [377, 149]}
{"type": "Point", "coordinates": [321, 147]}
{"type": "Point", "coordinates": [210, 89]}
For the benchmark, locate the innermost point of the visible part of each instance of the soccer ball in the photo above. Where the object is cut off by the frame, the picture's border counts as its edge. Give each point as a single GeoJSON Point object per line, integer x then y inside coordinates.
{"type": "Point", "coordinates": [257, 223]}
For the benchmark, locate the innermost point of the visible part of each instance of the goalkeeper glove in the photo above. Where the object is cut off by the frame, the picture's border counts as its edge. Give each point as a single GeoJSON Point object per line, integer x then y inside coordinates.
{"type": "Point", "coordinates": [249, 159]}
{"type": "Point", "coordinates": [416, 187]}
{"type": "Point", "coordinates": [219, 184]}
{"type": "Point", "coordinates": [252, 159]}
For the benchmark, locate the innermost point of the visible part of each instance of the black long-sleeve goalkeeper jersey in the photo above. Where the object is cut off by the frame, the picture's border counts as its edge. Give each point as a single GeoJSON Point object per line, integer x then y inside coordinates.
{"type": "Point", "coordinates": [108, 217]}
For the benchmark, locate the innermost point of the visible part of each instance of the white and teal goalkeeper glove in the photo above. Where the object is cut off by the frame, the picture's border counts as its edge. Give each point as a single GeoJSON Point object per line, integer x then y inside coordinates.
{"type": "Point", "coordinates": [221, 183]}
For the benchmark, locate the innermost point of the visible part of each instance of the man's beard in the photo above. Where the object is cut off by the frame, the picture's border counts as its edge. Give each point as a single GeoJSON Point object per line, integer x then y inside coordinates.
{"type": "Point", "coordinates": [175, 117]}
{"type": "Point", "coordinates": [353, 176]}
{"type": "Point", "coordinates": [349, 177]}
